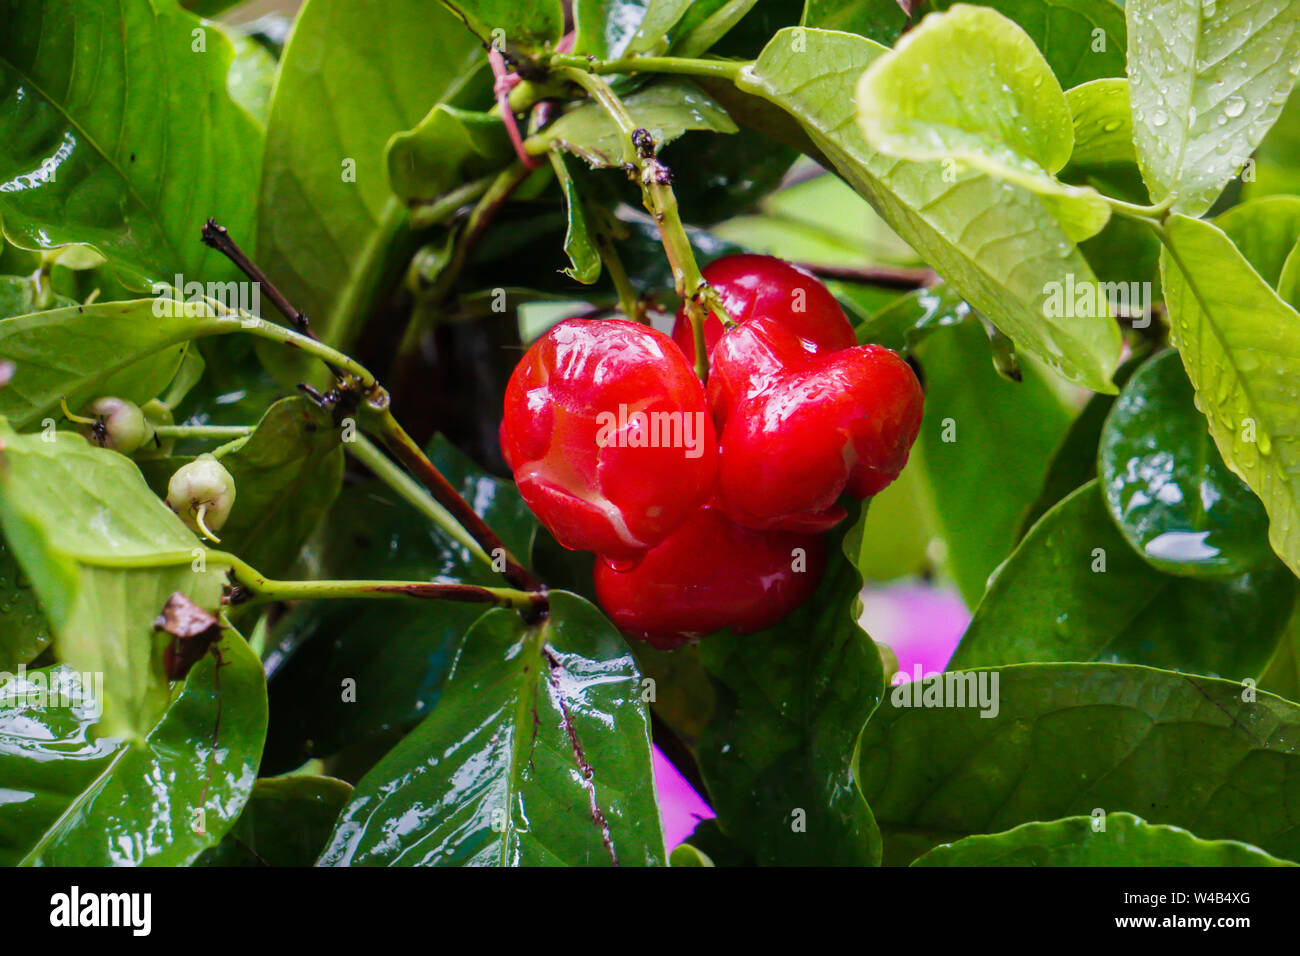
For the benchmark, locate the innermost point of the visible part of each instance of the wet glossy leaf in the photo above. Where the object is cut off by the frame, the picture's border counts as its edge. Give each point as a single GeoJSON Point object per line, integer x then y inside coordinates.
{"type": "Point", "coordinates": [110, 125]}
{"type": "Point", "coordinates": [1103, 123]}
{"type": "Point", "coordinates": [579, 243]}
{"type": "Point", "coordinates": [348, 81]}
{"type": "Point", "coordinates": [1127, 840]}
{"type": "Point", "coordinates": [82, 352]}
{"type": "Point", "coordinates": [448, 147]}
{"type": "Point", "coordinates": [285, 823]}
{"type": "Point", "coordinates": [69, 510]}
{"type": "Point", "coordinates": [398, 653]}
{"type": "Point", "coordinates": [288, 473]}
{"type": "Point", "coordinates": [528, 26]}
{"type": "Point", "coordinates": [1081, 39]}
{"type": "Point", "coordinates": [161, 801]}
{"type": "Point", "coordinates": [984, 446]}
{"type": "Point", "coordinates": [607, 29]}
{"type": "Point", "coordinates": [538, 753]}
{"type": "Point", "coordinates": [777, 755]}
{"type": "Point", "coordinates": [1074, 590]}
{"type": "Point", "coordinates": [1166, 485]}
{"type": "Point", "coordinates": [24, 632]}
{"type": "Point", "coordinates": [1206, 755]}
{"type": "Point", "coordinates": [718, 177]}
{"type": "Point", "coordinates": [997, 245]}
{"type": "Point", "coordinates": [1239, 341]}
{"type": "Point", "coordinates": [666, 110]}
{"type": "Point", "coordinates": [1207, 82]}
{"type": "Point", "coordinates": [969, 87]}
{"type": "Point", "coordinates": [904, 323]}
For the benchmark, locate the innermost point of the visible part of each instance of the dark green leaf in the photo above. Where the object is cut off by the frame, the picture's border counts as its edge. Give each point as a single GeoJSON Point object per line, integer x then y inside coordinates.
{"type": "Point", "coordinates": [24, 632]}
{"type": "Point", "coordinates": [777, 755]}
{"type": "Point", "coordinates": [1166, 485]}
{"type": "Point", "coordinates": [448, 146]}
{"type": "Point", "coordinates": [285, 823]}
{"type": "Point", "coordinates": [1075, 591]}
{"type": "Point", "coordinates": [160, 801]}
{"type": "Point", "coordinates": [607, 29]}
{"type": "Point", "coordinates": [879, 20]}
{"type": "Point", "coordinates": [579, 244]}
{"type": "Point", "coordinates": [708, 21]}
{"type": "Point", "coordinates": [1207, 755]}
{"type": "Point", "coordinates": [116, 130]}
{"type": "Point", "coordinates": [538, 753]}
{"type": "Point", "coordinates": [1126, 840]}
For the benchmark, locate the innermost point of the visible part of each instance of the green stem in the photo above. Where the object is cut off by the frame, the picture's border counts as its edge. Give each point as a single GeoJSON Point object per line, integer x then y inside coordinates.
{"type": "Point", "coordinates": [264, 590]}
{"type": "Point", "coordinates": [686, 66]}
{"type": "Point", "coordinates": [203, 431]}
{"type": "Point", "coordinates": [366, 452]}
{"type": "Point", "coordinates": [381, 423]}
{"type": "Point", "coordinates": [660, 201]}
{"type": "Point", "coordinates": [442, 209]}
{"type": "Point", "coordinates": [1152, 215]}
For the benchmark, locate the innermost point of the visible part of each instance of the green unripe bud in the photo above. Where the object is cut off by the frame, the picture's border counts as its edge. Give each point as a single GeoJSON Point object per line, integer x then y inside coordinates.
{"type": "Point", "coordinates": [202, 494]}
{"type": "Point", "coordinates": [116, 424]}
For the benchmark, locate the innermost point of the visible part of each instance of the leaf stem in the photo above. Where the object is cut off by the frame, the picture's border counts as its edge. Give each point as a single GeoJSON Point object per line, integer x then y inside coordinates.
{"type": "Point", "coordinates": [442, 209]}
{"type": "Point", "coordinates": [686, 66]}
{"type": "Point", "coordinates": [203, 431]}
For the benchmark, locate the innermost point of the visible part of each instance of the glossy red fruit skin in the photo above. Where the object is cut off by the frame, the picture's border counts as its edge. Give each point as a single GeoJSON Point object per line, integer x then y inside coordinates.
{"type": "Point", "coordinates": [783, 314]}
{"type": "Point", "coordinates": [708, 575]}
{"type": "Point", "coordinates": [844, 423]}
{"type": "Point", "coordinates": [582, 475]}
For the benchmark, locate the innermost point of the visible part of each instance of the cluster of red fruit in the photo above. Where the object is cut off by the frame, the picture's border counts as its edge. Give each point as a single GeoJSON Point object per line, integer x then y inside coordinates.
{"type": "Point", "coordinates": [707, 505]}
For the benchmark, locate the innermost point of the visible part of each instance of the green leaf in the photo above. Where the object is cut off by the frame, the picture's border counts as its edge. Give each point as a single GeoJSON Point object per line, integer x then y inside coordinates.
{"type": "Point", "coordinates": [579, 244]}
{"type": "Point", "coordinates": [1166, 485]}
{"type": "Point", "coordinates": [160, 801]}
{"type": "Point", "coordinates": [1265, 233]}
{"type": "Point", "coordinates": [1082, 40]}
{"type": "Point", "coordinates": [1208, 755]}
{"type": "Point", "coordinates": [1208, 81]}
{"type": "Point", "coordinates": [328, 222]}
{"type": "Point", "coordinates": [1240, 344]}
{"type": "Point", "coordinates": [1127, 840]}
{"type": "Point", "coordinates": [20, 295]}
{"type": "Point", "coordinates": [777, 755]}
{"type": "Point", "coordinates": [526, 26]}
{"type": "Point", "coordinates": [978, 424]}
{"type": "Point", "coordinates": [1074, 590]}
{"type": "Point", "coordinates": [85, 351]}
{"type": "Point", "coordinates": [285, 823]}
{"type": "Point", "coordinates": [706, 22]}
{"type": "Point", "coordinates": [905, 323]}
{"type": "Point", "coordinates": [448, 146]}
{"type": "Point", "coordinates": [608, 29]}
{"type": "Point", "coordinates": [969, 87]}
{"type": "Point", "coordinates": [879, 20]}
{"type": "Point", "coordinates": [686, 855]}
{"type": "Point", "coordinates": [69, 511]}
{"type": "Point", "coordinates": [24, 632]}
{"type": "Point", "coordinates": [252, 75]}
{"type": "Point", "coordinates": [538, 753]}
{"type": "Point", "coordinates": [999, 246]}
{"type": "Point", "coordinates": [1103, 123]}
{"type": "Point", "coordinates": [115, 131]}
{"type": "Point", "coordinates": [398, 653]}
{"type": "Point", "coordinates": [288, 473]}
{"type": "Point", "coordinates": [666, 111]}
